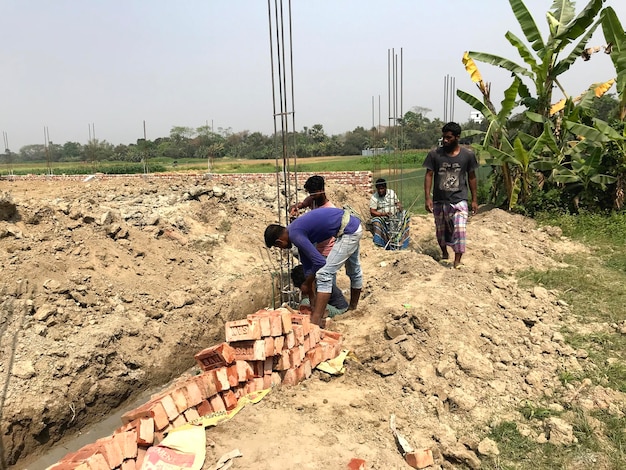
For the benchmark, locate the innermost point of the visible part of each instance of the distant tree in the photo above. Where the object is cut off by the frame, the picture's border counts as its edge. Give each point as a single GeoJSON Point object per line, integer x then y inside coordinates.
{"type": "Point", "coordinates": [71, 151]}
{"type": "Point", "coordinates": [355, 141]}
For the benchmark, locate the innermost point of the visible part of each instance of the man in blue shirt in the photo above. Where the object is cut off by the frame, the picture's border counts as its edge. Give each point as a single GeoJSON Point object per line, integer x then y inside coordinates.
{"type": "Point", "coordinates": [314, 227]}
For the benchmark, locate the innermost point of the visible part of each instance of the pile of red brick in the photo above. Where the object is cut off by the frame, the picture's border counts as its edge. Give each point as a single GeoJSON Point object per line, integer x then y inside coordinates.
{"type": "Point", "coordinates": [268, 348]}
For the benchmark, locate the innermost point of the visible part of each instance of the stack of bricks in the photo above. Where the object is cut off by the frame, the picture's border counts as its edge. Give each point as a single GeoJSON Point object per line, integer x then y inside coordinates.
{"type": "Point", "coordinates": [268, 348]}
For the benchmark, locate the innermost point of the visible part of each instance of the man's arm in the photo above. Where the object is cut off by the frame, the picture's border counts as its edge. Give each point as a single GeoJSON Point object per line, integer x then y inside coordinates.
{"type": "Point", "coordinates": [428, 184]}
{"type": "Point", "coordinates": [473, 184]}
{"type": "Point", "coordinates": [306, 202]}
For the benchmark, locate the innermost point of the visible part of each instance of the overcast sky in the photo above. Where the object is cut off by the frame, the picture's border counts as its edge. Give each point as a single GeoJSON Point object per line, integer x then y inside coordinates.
{"type": "Point", "coordinates": [67, 64]}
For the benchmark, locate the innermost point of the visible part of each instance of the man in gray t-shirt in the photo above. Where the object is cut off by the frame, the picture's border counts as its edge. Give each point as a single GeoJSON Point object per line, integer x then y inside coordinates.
{"type": "Point", "coordinates": [452, 167]}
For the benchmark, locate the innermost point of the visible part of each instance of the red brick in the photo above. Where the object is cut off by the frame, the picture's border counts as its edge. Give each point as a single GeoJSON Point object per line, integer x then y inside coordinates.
{"type": "Point", "coordinates": [249, 350]}
{"type": "Point", "coordinates": [267, 381]}
{"type": "Point", "coordinates": [239, 390]}
{"type": "Point", "coordinates": [217, 403]}
{"type": "Point", "coordinates": [179, 421]}
{"type": "Point", "coordinates": [244, 371]}
{"type": "Point", "coordinates": [420, 458]}
{"type": "Point", "coordinates": [279, 344]}
{"type": "Point", "coordinates": [66, 465]}
{"type": "Point", "coordinates": [129, 464]}
{"type": "Point", "coordinates": [194, 394]}
{"type": "Point", "coordinates": [263, 320]}
{"type": "Point", "coordinates": [315, 335]}
{"type": "Point", "coordinates": [276, 323]}
{"type": "Point", "coordinates": [179, 399]}
{"type": "Point", "coordinates": [276, 379]}
{"type": "Point", "coordinates": [268, 366]}
{"type": "Point", "coordinates": [169, 406]}
{"type": "Point", "coordinates": [315, 356]}
{"type": "Point", "coordinates": [298, 331]}
{"type": "Point", "coordinates": [269, 346]}
{"type": "Point", "coordinates": [127, 442]}
{"type": "Point", "coordinates": [204, 408]}
{"type": "Point", "coordinates": [233, 375]}
{"type": "Point", "coordinates": [290, 340]}
{"type": "Point", "coordinates": [220, 378]}
{"type": "Point", "coordinates": [111, 451]}
{"type": "Point", "coordinates": [215, 356]}
{"type": "Point", "coordinates": [286, 319]}
{"type": "Point", "coordinates": [145, 432]}
{"type": "Point", "coordinates": [307, 342]}
{"type": "Point", "coordinates": [152, 409]}
{"type": "Point", "coordinates": [282, 362]}
{"type": "Point", "coordinates": [302, 320]}
{"type": "Point", "coordinates": [258, 368]}
{"type": "Point", "coordinates": [356, 464]}
{"type": "Point", "coordinates": [97, 462]}
{"type": "Point", "coordinates": [206, 382]}
{"type": "Point", "coordinates": [325, 334]}
{"type": "Point", "coordinates": [289, 377]}
{"type": "Point", "coordinates": [308, 369]}
{"type": "Point", "coordinates": [141, 455]}
{"type": "Point", "coordinates": [258, 383]}
{"type": "Point", "coordinates": [229, 398]}
{"type": "Point", "coordinates": [294, 357]}
{"type": "Point", "coordinates": [191, 414]}
{"type": "Point", "coordinates": [242, 330]}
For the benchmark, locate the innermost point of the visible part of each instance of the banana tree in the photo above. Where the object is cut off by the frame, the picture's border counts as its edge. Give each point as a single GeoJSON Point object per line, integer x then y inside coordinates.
{"type": "Point", "coordinates": [542, 63]}
{"type": "Point", "coordinates": [615, 36]}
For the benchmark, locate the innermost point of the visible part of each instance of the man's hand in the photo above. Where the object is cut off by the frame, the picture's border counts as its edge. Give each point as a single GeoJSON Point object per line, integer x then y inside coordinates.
{"type": "Point", "coordinates": [474, 207]}
{"type": "Point", "coordinates": [428, 205]}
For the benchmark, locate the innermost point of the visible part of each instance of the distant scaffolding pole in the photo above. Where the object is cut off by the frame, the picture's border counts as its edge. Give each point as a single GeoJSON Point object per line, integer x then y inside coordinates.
{"type": "Point", "coordinates": [281, 59]}
{"type": "Point", "coordinates": [46, 146]}
{"type": "Point", "coordinates": [449, 94]}
{"type": "Point", "coordinates": [395, 89]}
{"type": "Point", "coordinates": [7, 153]}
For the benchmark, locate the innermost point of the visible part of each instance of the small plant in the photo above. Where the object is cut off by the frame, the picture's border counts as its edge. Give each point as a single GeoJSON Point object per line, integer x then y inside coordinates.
{"type": "Point", "coordinates": [225, 225]}
{"type": "Point", "coordinates": [531, 411]}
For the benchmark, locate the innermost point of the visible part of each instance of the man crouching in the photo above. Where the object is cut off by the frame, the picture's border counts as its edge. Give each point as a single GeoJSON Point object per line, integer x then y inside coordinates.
{"type": "Point", "coordinates": [314, 227]}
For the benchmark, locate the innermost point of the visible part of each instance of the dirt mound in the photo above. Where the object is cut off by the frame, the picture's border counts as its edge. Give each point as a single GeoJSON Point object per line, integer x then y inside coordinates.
{"type": "Point", "coordinates": [110, 287]}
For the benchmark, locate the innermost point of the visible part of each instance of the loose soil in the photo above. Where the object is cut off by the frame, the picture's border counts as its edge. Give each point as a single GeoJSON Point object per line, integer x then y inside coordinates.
{"type": "Point", "coordinates": [109, 287]}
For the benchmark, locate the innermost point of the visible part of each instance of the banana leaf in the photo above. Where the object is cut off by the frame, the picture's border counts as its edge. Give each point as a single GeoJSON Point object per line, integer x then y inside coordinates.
{"type": "Point", "coordinates": [527, 23]}
{"type": "Point", "coordinates": [578, 26]}
{"type": "Point", "coordinates": [476, 104]}
{"type": "Point", "coordinates": [562, 13]}
{"type": "Point", "coordinates": [587, 132]}
{"type": "Point", "coordinates": [524, 53]}
{"type": "Point", "coordinates": [500, 62]}
{"type": "Point", "coordinates": [576, 52]}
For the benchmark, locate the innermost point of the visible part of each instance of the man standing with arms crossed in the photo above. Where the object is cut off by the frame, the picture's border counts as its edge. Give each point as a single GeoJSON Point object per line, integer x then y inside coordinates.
{"type": "Point", "coordinates": [453, 168]}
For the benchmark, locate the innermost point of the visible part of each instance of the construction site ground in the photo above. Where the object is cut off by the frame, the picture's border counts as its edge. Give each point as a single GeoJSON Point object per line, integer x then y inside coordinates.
{"type": "Point", "coordinates": [109, 287]}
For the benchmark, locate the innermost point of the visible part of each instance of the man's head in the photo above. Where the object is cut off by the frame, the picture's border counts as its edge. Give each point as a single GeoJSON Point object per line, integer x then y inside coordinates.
{"type": "Point", "coordinates": [450, 134]}
{"type": "Point", "coordinates": [298, 278]}
{"type": "Point", "coordinates": [315, 187]}
{"type": "Point", "coordinates": [278, 236]}
{"type": "Point", "coordinates": [381, 186]}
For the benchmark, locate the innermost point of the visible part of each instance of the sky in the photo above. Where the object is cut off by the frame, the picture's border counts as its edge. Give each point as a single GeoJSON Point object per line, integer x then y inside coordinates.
{"type": "Point", "coordinates": [108, 66]}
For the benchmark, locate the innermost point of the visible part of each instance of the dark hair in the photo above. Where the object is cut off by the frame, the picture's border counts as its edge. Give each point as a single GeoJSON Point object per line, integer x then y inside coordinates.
{"type": "Point", "coordinates": [297, 275]}
{"type": "Point", "coordinates": [452, 127]}
{"type": "Point", "coordinates": [314, 184]}
{"type": "Point", "coordinates": [381, 182]}
{"type": "Point", "coordinates": [273, 233]}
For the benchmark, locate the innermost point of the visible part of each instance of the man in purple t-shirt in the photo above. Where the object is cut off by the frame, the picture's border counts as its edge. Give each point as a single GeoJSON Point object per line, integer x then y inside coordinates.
{"type": "Point", "coordinates": [452, 167]}
{"type": "Point", "coordinates": [314, 227]}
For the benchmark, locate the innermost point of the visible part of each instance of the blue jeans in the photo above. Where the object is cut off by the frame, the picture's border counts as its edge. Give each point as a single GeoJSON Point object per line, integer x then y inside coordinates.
{"type": "Point", "coordinates": [345, 251]}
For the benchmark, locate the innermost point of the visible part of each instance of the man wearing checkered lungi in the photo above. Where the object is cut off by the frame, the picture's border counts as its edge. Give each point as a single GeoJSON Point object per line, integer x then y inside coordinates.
{"type": "Point", "coordinates": [453, 167]}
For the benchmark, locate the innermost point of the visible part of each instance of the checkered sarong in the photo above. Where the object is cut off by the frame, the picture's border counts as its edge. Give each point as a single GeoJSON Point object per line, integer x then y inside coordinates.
{"type": "Point", "coordinates": [451, 218]}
